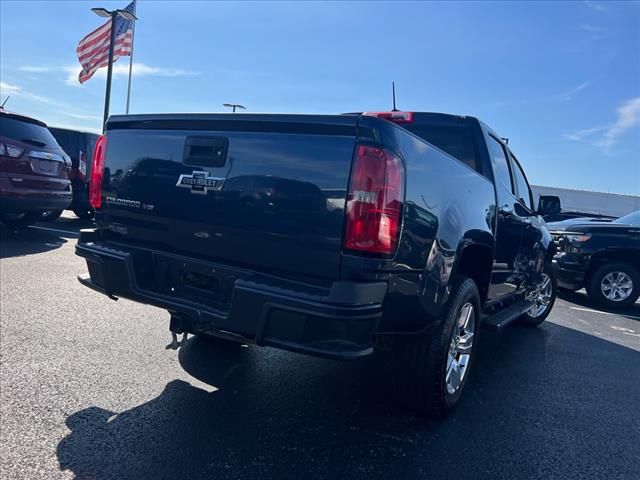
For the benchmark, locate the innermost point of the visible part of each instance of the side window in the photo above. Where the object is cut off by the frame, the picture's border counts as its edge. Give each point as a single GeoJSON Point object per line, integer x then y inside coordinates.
{"type": "Point", "coordinates": [457, 141]}
{"type": "Point", "coordinates": [500, 165]}
{"type": "Point", "coordinates": [523, 191]}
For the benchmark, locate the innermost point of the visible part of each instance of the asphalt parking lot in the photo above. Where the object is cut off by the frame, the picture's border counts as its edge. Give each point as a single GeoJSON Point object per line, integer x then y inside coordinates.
{"type": "Point", "coordinates": [89, 391]}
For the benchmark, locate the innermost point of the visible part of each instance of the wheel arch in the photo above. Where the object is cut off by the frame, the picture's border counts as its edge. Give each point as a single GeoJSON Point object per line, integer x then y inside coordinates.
{"type": "Point", "coordinates": [626, 255]}
{"type": "Point", "coordinates": [475, 261]}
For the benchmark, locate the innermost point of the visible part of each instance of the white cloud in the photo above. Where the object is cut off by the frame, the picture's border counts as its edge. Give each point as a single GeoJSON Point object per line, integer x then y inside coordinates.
{"type": "Point", "coordinates": [8, 89]}
{"type": "Point", "coordinates": [587, 27]}
{"type": "Point", "coordinates": [122, 70]}
{"type": "Point", "coordinates": [34, 69]}
{"type": "Point", "coordinates": [140, 69]}
{"type": "Point", "coordinates": [119, 70]}
{"type": "Point", "coordinates": [82, 116]}
{"type": "Point", "coordinates": [597, 6]}
{"type": "Point", "coordinates": [605, 137]}
{"type": "Point", "coordinates": [565, 97]}
{"type": "Point", "coordinates": [628, 117]}
{"type": "Point", "coordinates": [61, 108]}
{"type": "Point", "coordinates": [579, 135]}
{"type": "Point", "coordinates": [594, 32]}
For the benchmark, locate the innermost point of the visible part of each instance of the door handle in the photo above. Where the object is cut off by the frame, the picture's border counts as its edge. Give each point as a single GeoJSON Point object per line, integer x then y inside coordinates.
{"type": "Point", "coordinates": [205, 151]}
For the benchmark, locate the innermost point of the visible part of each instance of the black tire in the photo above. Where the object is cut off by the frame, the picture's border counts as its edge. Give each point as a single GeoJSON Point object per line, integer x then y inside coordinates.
{"type": "Point", "coordinates": [420, 362]}
{"type": "Point", "coordinates": [83, 213]}
{"type": "Point", "coordinates": [594, 282]}
{"type": "Point", "coordinates": [530, 319]}
{"type": "Point", "coordinates": [50, 215]}
{"type": "Point", "coordinates": [19, 219]}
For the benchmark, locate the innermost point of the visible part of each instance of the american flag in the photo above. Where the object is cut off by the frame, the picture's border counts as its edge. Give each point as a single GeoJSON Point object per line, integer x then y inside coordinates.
{"type": "Point", "coordinates": [93, 50]}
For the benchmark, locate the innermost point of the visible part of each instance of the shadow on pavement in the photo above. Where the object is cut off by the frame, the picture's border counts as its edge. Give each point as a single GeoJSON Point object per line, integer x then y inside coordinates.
{"type": "Point", "coordinates": [542, 403]}
{"type": "Point", "coordinates": [632, 312]}
{"type": "Point", "coordinates": [41, 237]}
{"type": "Point", "coordinates": [17, 242]}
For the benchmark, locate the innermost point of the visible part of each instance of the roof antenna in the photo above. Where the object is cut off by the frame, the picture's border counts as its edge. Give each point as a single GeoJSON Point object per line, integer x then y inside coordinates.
{"type": "Point", "coordinates": [393, 87]}
{"type": "Point", "coordinates": [5, 101]}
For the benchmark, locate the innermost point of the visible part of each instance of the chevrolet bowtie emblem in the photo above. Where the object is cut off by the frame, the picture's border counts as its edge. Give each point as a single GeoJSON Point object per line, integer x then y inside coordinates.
{"type": "Point", "coordinates": [199, 182]}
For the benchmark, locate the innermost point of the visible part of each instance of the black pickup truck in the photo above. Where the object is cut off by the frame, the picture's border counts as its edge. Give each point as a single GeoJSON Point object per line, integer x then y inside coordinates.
{"type": "Point", "coordinates": [601, 256]}
{"type": "Point", "coordinates": [328, 235]}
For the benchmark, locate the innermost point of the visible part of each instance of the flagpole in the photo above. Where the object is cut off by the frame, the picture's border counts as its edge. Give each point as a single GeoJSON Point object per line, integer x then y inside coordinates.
{"type": "Point", "coordinates": [133, 36]}
{"type": "Point", "coordinates": [107, 96]}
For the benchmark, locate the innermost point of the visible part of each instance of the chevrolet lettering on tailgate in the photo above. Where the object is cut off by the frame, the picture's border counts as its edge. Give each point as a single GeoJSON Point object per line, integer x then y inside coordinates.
{"type": "Point", "coordinates": [200, 182]}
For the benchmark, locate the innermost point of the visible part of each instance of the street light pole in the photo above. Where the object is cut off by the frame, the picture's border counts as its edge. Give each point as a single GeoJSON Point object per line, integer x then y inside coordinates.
{"type": "Point", "coordinates": [107, 97]}
{"type": "Point", "coordinates": [233, 106]}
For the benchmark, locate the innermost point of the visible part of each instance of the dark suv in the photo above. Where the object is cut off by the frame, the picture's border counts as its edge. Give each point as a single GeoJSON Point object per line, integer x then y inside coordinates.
{"type": "Point", "coordinates": [79, 146]}
{"type": "Point", "coordinates": [34, 170]}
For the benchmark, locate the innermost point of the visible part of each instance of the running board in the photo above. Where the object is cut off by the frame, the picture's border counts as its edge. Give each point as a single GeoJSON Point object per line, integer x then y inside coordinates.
{"type": "Point", "coordinates": [504, 317]}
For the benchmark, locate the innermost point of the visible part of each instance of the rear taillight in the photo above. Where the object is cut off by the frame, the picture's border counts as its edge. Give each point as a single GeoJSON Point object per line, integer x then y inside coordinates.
{"type": "Point", "coordinates": [8, 150]}
{"type": "Point", "coordinates": [374, 201]}
{"type": "Point", "coordinates": [395, 117]}
{"type": "Point", "coordinates": [97, 170]}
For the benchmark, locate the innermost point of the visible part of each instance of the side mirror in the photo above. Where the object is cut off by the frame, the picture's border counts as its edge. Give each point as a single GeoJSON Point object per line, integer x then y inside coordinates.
{"type": "Point", "coordinates": [549, 205]}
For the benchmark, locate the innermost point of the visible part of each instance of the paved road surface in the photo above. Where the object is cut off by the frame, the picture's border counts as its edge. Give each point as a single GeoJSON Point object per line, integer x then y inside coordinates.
{"type": "Point", "coordinates": [89, 391]}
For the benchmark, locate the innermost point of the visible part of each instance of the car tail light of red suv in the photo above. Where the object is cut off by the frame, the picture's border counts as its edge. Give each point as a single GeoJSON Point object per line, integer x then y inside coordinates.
{"type": "Point", "coordinates": [97, 172]}
{"type": "Point", "coordinates": [8, 150]}
{"type": "Point", "coordinates": [79, 172]}
{"type": "Point", "coordinates": [374, 201]}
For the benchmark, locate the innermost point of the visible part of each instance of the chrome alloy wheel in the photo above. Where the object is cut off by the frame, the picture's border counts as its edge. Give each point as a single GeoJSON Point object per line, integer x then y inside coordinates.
{"type": "Point", "coordinates": [541, 297]}
{"type": "Point", "coordinates": [616, 286]}
{"type": "Point", "coordinates": [459, 354]}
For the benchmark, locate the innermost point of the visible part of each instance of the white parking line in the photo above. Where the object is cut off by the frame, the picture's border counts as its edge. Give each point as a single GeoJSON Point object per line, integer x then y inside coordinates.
{"type": "Point", "coordinates": [604, 313]}
{"type": "Point", "coordinates": [626, 331]}
{"type": "Point", "coordinates": [66, 232]}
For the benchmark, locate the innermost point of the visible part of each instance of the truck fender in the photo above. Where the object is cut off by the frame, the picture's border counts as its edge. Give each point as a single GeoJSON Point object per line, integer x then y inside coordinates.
{"type": "Point", "coordinates": [474, 259]}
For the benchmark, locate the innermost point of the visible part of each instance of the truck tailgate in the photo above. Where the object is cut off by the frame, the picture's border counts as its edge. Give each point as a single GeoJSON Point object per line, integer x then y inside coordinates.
{"type": "Point", "coordinates": [261, 191]}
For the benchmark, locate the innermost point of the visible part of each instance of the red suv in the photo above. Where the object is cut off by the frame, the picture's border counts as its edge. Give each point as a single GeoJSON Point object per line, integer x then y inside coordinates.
{"type": "Point", "coordinates": [34, 170]}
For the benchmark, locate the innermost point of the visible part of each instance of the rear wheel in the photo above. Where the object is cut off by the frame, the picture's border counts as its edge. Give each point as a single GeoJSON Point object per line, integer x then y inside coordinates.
{"type": "Point", "coordinates": [614, 285]}
{"type": "Point", "coordinates": [19, 219]}
{"type": "Point", "coordinates": [431, 371]}
{"type": "Point", "coordinates": [83, 213]}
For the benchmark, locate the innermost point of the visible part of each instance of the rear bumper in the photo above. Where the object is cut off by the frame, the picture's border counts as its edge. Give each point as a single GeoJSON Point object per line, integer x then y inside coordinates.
{"type": "Point", "coordinates": [14, 199]}
{"type": "Point", "coordinates": [334, 322]}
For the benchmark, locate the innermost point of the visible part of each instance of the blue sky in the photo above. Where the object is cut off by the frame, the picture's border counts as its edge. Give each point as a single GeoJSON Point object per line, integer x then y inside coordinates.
{"type": "Point", "coordinates": [560, 79]}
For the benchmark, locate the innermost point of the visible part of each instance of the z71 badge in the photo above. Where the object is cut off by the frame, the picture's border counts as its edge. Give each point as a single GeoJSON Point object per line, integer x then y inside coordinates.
{"type": "Point", "coordinates": [200, 182]}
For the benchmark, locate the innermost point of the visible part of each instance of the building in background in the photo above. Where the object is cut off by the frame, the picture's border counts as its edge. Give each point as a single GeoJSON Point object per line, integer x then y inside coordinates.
{"type": "Point", "coordinates": [611, 204]}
